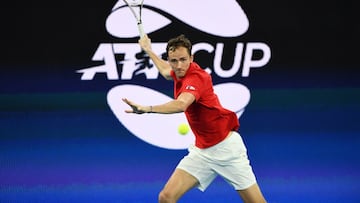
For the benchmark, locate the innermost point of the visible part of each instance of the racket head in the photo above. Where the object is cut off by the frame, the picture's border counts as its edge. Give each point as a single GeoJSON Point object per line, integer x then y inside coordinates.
{"type": "Point", "coordinates": [137, 14]}
{"type": "Point", "coordinates": [133, 3]}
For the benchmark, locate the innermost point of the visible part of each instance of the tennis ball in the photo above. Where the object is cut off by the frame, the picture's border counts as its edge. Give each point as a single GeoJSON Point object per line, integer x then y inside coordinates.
{"type": "Point", "coordinates": [183, 129]}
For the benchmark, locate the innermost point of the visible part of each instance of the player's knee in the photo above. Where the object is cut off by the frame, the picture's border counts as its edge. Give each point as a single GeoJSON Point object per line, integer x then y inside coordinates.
{"type": "Point", "coordinates": [166, 197]}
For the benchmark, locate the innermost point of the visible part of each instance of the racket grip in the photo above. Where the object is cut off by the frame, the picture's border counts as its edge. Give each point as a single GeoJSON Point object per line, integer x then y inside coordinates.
{"type": "Point", "coordinates": [141, 30]}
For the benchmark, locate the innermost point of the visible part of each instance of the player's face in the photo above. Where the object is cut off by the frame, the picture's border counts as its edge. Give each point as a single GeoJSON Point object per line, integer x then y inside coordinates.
{"type": "Point", "coordinates": [180, 60]}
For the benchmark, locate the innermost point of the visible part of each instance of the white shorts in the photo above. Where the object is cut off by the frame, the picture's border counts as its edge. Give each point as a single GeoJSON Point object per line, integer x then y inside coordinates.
{"type": "Point", "coordinates": [228, 159]}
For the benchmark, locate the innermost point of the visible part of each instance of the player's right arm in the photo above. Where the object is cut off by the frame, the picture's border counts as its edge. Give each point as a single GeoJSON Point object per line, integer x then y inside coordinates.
{"type": "Point", "coordinates": [162, 65]}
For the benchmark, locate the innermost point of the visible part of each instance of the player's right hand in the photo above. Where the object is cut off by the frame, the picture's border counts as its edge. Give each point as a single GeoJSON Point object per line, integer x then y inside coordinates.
{"type": "Point", "coordinates": [145, 43]}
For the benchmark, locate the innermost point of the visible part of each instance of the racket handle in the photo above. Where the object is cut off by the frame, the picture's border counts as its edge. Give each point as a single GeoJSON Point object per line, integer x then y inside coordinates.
{"type": "Point", "coordinates": [141, 30]}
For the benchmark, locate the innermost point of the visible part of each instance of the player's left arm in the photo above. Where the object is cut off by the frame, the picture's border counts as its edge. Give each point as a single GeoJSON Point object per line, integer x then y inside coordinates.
{"type": "Point", "coordinates": [180, 104]}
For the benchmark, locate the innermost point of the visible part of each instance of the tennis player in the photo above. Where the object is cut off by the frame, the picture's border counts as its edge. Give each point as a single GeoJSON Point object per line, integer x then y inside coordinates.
{"type": "Point", "coordinates": [218, 147]}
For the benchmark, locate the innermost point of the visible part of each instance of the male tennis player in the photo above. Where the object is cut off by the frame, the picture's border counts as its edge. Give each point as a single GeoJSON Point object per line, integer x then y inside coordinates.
{"type": "Point", "coordinates": [218, 148]}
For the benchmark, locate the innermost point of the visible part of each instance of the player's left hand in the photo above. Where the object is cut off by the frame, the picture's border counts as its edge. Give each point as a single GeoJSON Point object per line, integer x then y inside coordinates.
{"type": "Point", "coordinates": [135, 107]}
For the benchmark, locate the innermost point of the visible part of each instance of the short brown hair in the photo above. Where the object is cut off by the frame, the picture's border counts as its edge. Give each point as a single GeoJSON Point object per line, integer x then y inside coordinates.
{"type": "Point", "coordinates": [179, 41]}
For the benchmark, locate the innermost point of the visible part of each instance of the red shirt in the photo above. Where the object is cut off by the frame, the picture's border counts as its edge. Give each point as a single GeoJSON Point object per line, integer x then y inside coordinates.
{"type": "Point", "coordinates": [209, 121]}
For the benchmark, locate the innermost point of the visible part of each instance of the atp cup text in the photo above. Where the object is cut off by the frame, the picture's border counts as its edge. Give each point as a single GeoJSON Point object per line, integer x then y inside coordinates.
{"type": "Point", "coordinates": [132, 61]}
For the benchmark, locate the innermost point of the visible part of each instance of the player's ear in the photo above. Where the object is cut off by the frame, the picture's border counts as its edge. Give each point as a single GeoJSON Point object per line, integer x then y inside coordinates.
{"type": "Point", "coordinates": [191, 58]}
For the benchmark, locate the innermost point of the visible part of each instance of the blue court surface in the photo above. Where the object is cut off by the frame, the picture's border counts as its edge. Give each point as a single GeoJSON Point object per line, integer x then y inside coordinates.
{"type": "Point", "coordinates": [303, 144]}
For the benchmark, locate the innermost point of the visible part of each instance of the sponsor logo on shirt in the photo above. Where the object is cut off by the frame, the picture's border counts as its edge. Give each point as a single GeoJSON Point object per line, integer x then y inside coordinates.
{"type": "Point", "coordinates": [189, 87]}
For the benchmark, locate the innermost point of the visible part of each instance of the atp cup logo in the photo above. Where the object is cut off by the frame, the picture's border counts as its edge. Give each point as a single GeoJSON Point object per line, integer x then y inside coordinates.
{"type": "Point", "coordinates": [225, 20]}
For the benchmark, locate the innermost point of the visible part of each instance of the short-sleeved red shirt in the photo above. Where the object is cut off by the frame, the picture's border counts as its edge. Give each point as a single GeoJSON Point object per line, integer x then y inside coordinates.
{"type": "Point", "coordinates": [209, 121]}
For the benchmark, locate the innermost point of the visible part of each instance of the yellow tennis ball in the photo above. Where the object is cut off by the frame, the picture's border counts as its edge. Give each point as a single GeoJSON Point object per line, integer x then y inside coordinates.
{"type": "Point", "coordinates": [183, 129]}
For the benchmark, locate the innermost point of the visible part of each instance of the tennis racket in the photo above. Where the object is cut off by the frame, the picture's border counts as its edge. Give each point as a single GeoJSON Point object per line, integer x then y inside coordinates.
{"type": "Point", "coordinates": [136, 7]}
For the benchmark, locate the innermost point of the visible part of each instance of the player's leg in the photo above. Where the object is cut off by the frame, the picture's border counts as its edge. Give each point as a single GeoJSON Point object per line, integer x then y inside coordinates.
{"type": "Point", "coordinates": [235, 168]}
{"type": "Point", "coordinates": [252, 194]}
{"type": "Point", "coordinates": [178, 184]}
